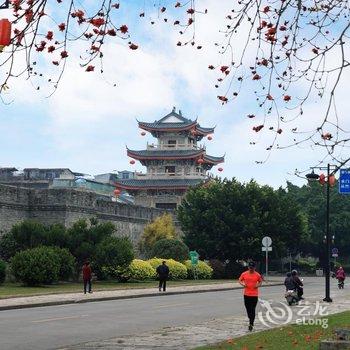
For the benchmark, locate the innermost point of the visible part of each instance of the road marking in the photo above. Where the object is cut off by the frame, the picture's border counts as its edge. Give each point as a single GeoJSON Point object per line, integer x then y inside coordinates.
{"type": "Point", "coordinates": [170, 305]}
{"type": "Point", "coordinates": [59, 319]}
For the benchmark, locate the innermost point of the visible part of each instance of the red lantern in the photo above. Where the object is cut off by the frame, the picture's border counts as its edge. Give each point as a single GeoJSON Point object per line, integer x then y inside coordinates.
{"type": "Point", "coordinates": [331, 180]}
{"type": "Point", "coordinates": [117, 192]}
{"type": "Point", "coordinates": [5, 33]}
{"type": "Point", "coordinates": [322, 179]}
{"type": "Point", "coordinates": [132, 161]}
{"type": "Point", "coordinates": [220, 169]}
{"type": "Point", "coordinates": [200, 161]}
{"type": "Point", "coordinates": [143, 133]}
{"type": "Point", "coordinates": [209, 138]}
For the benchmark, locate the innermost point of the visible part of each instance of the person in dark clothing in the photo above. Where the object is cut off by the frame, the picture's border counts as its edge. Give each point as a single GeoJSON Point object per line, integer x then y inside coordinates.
{"type": "Point", "coordinates": [163, 274]}
{"type": "Point", "coordinates": [289, 282]}
{"type": "Point", "coordinates": [87, 274]}
{"type": "Point", "coordinates": [299, 284]}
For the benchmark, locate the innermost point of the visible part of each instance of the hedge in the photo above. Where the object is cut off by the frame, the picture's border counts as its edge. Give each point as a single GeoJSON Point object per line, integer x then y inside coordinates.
{"type": "Point", "coordinates": [177, 270]}
{"type": "Point", "coordinates": [36, 266]}
{"type": "Point", "coordinates": [203, 270]}
{"type": "Point", "coordinates": [140, 270]}
{"type": "Point", "coordinates": [2, 271]}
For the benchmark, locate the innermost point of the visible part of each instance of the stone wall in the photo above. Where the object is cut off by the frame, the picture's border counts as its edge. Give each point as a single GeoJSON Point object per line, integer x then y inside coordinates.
{"type": "Point", "coordinates": [65, 206]}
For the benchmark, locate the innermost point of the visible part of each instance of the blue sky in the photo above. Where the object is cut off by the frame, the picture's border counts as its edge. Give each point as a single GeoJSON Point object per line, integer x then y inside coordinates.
{"type": "Point", "coordinates": [87, 123]}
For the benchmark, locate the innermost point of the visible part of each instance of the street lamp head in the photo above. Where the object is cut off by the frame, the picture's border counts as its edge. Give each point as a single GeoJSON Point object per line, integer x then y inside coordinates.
{"type": "Point", "coordinates": [312, 175]}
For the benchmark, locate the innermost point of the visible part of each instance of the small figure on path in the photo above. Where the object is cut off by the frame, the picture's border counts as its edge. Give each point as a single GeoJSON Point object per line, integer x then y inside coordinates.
{"type": "Point", "coordinates": [340, 276]}
{"type": "Point", "coordinates": [87, 274]}
{"type": "Point", "coordinates": [163, 274]}
{"type": "Point", "coordinates": [251, 281]}
{"type": "Point", "coordinates": [299, 284]}
{"type": "Point", "coordinates": [289, 282]}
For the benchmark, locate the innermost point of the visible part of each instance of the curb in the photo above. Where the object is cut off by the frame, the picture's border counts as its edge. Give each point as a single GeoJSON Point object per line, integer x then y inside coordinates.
{"type": "Point", "coordinates": [81, 301]}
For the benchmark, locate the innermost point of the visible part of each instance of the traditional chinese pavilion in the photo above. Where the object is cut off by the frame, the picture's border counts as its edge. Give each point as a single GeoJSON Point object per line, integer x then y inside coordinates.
{"type": "Point", "coordinates": [175, 163]}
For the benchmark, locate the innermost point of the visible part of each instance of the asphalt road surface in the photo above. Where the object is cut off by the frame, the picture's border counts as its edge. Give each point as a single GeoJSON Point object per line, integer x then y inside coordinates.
{"type": "Point", "coordinates": [52, 327]}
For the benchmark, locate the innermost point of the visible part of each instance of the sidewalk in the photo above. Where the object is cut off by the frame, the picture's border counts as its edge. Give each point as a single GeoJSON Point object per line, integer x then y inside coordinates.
{"type": "Point", "coordinates": [72, 298]}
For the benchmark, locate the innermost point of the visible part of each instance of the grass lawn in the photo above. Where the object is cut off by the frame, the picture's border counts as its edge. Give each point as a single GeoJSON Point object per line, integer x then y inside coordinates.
{"type": "Point", "coordinates": [8, 290]}
{"type": "Point", "coordinates": [296, 337]}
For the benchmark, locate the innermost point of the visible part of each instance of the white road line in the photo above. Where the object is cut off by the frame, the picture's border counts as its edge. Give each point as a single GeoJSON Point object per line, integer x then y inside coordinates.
{"type": "Point", "coordinates": [59, 319]}
{"type": "Point", "coordinates": [170, 305]}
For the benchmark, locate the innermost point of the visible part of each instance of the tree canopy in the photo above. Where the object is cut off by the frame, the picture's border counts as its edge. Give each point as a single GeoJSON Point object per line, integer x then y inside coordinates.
{"type": "Point", "coordinates": [228, 220]}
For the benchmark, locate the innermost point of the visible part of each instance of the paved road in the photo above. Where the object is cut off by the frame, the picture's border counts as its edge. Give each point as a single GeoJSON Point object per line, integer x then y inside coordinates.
{"type": "Point", "coordinates": [58, 326]}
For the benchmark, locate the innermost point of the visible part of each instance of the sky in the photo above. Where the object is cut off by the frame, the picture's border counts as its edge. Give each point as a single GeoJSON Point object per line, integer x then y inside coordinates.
{"type": "Point", "coordinates": [88, 122]}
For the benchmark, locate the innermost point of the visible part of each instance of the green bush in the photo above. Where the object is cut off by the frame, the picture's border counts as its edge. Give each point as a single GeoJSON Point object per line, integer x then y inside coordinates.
{"type": "Point", "coordinates": [139, 270]}
{"type": "Point", "coordinates": [113, 256]}
{"type": "Point", "coordinates": [177, 270]}
{"type": "Point", "coordinates": [8, 246]}
{"type": "Point", "coordinates": [2, 271]}
{"type": "Point", "coordinates": [171, 249]}
{"type": "Point", "coordinates": [67, 263]}
{"type": "Point", "coordinates": [204, 271]}
{"type": "Point", "coordinates": [218, 268]}
{"type": "Point", "coordinates": [36, 266]}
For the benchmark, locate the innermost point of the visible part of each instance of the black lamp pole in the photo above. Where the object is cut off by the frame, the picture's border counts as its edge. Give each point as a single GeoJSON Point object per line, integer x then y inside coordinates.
{"type": "Point", "coordinates": [314, 176]}
{"type": "Point", "coordinates": [328, 244]}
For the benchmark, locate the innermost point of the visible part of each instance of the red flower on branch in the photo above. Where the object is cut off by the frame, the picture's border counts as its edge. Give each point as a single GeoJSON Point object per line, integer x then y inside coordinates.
{"type": "Point", "coordinates": [286, 98]}
{"type": "Point", "coordinates": [124, 29]}
{"type": "Point", "coordinates": [64, 54]}
{"type": "Point", "coordinates": [90, 68]}
{"type": "Point", "coordinates": [49, 35]}
{"type": "Point", "coordinates": [133, 47]}
{"type": "Point", "coordinates": [62, 27]}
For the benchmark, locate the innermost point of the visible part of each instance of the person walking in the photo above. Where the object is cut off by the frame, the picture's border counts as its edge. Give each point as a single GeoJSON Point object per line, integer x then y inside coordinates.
{"type": "Point", "coordinates": [251, 281]}
{"type": "Point", "coordinates": [163, 274]}
{"type": "Point", "coordinates": [87, 274]}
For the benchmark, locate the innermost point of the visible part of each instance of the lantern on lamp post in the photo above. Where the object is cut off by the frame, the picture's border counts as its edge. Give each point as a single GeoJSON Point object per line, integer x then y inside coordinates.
{"type": "Point", "coordinates": [5, 33]}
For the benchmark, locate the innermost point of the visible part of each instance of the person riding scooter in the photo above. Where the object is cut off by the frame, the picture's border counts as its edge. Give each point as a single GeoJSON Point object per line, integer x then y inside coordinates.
{"type": "Point", "coordinates": [298, 283]}
{"type": "Point", "coordinates": [291, 294]}
{"type": "Point", "coordinates": [340, 276]}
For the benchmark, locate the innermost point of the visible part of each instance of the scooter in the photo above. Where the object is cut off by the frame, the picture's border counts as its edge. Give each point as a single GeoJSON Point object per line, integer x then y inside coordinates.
{"type": "Point", "coordinates": [291, 297]}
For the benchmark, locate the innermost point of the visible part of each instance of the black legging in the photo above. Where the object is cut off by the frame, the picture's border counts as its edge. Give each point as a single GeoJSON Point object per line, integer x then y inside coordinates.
{"type": "Point", "coordinates": [250, 305]}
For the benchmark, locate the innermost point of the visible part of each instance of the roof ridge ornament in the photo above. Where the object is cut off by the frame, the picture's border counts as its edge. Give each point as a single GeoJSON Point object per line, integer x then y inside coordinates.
{"type": "Point", "coordinates": [174, 109]}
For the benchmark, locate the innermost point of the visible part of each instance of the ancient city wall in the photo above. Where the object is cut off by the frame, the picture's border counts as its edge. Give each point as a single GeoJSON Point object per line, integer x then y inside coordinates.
{"type": "Point", "coordinates": [65, 206]}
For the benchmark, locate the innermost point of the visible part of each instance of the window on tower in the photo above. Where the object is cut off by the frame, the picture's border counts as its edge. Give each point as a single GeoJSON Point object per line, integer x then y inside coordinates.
{"type": "Point", "coordinates": [171, 143]}
{"type": "Point", "coordinates": [170, 170]}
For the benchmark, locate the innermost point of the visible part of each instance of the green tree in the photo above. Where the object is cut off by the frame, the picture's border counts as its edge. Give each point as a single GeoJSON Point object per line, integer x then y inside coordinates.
{"type": "Point", "coordinates": [170, 249]}
{"type": "Point", "coordinates": [312, 200]}
{"type": "Point", "coordinates": [83, 239]}
{"type": "Point", "coordinates": [2, 271]}
{"type": "Point", "coordinates": [113, 256]}
{"type": "Point", "coordinates": [162, 227]}
{"type": "Point", "coordinates": [228, 219]}
{"type": "Point", "coordinates": [40, 265]}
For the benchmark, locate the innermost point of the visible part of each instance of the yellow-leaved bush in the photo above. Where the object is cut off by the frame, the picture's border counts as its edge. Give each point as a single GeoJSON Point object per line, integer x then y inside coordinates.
{"type": "Point", "coordinates": [203, 270]}
{"type": "Point", "coordinates": [177, 270]}
{"type": "Point", "coordinates": [140, 270]}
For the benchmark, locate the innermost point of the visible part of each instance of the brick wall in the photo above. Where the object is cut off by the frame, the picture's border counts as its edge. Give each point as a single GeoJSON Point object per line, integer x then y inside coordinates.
{"type": "Point", "coordinates": [65, 206]}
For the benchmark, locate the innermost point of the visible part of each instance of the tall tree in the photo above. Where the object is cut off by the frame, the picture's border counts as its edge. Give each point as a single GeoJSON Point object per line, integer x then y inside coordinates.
{"type": "Point", "coordinates": [228, 219]}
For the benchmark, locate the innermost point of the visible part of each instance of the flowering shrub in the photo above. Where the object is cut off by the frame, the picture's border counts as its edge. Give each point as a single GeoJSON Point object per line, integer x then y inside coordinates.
{"type": "Point", "coordinates": [140, 270]}
{"type": "Point", "coordinates": [178, 271]}
{"type": "Point", "coordinates": [203, 270]}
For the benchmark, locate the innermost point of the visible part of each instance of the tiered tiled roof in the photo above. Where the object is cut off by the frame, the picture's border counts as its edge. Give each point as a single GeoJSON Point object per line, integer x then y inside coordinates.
{"type": "Point", "coordinates": [174, 122]}
{"type": "Point", "coordinates": [169, 183]}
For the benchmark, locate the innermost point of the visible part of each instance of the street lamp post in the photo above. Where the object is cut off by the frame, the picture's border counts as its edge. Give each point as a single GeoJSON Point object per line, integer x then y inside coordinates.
{"type": "Point", "coordinates": [314, 176]}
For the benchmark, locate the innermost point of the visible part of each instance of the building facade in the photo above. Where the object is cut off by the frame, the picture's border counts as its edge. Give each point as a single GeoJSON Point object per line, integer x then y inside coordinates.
{"type": "Point", "coordinates": [174, 164]}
